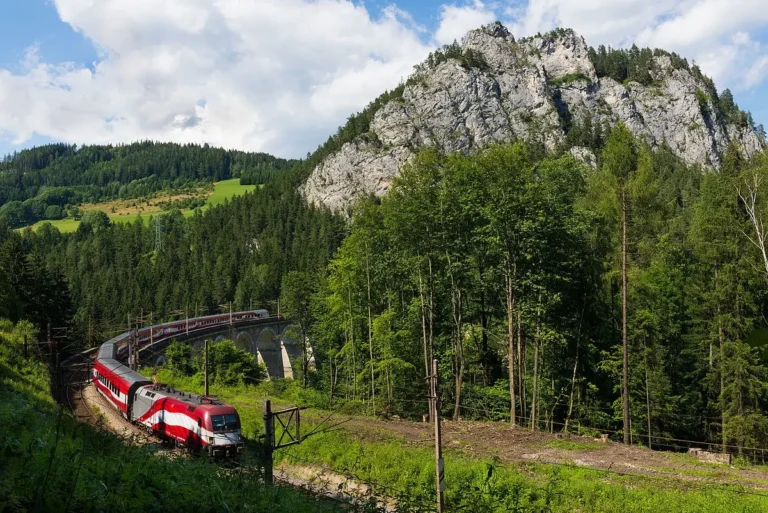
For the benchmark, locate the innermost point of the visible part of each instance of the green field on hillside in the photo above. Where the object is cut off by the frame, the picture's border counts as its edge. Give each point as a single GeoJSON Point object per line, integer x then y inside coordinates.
{"type": "Point", "coordinates": [224, 190]}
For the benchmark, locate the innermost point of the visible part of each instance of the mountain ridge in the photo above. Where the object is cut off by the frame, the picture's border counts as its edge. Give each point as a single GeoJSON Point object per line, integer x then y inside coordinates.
{"type": "Point", "coordinates": [549, 89]}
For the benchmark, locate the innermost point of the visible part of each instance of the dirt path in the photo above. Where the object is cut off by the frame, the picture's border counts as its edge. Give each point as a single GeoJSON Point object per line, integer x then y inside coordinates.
{"type": "Point", "coordinates": [515, 445]}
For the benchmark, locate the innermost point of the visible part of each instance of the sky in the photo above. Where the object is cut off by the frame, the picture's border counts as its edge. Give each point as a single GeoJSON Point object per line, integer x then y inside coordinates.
{"type": "Point", "coordinates": [280, 76]}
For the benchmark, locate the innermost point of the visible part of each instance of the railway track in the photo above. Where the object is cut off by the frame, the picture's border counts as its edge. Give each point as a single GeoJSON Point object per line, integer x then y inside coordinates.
{"type": "Point", "coordinates": [89, 406]}
{"type": "Point", "coordinates": [77, 379]}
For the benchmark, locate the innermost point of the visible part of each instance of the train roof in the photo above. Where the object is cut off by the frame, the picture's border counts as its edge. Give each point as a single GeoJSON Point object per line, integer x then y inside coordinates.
{"type": "Point", "coordinates": [123, 371]}
{"type": "Point", "coordinates": [206, 318]}
{"type": "Point", "coordinates": [186, 397]}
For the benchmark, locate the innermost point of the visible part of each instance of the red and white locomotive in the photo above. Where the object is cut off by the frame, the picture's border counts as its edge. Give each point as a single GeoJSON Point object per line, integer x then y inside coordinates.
{"type": "Point", "coordinates": [197, 422]}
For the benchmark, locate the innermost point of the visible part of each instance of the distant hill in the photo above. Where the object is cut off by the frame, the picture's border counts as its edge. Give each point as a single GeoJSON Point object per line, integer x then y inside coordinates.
{"type": "Point", "coordinates": [551, 90]}
{"type": "Point", "coordinates": [41, 183]}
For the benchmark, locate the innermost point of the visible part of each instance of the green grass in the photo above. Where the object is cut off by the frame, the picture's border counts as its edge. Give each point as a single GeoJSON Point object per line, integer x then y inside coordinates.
{"type": "Point", "coordinates": [50, 462]}
{"type": "Point", "coordinates": [227, 189]}
{"type": "Point", "coordinates": [63, 225]}
{"type": "Point", "coordinates": [224, 190]}
{"type": "Point", "coordinates": [474, 484]}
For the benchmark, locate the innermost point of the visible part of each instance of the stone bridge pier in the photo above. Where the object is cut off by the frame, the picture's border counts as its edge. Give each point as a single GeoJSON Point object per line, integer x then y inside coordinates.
{"type": "Point", "coordinates": [269, 341]}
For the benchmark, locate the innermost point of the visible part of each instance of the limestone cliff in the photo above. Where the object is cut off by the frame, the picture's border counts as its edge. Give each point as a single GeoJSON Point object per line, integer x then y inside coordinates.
{"type": "Point", "coordinates": [500, 89]}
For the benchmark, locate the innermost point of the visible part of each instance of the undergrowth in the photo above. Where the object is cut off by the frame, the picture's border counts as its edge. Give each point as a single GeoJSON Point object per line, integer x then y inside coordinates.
{"type": "Point", "coordinates": [50, 462]}
{"type": "Point", "coordinates": [476, 484]}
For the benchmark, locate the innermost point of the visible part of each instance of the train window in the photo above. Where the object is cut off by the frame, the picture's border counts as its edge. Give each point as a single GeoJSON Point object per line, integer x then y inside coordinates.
{"type": "Point", "coordinates": [226, 422]}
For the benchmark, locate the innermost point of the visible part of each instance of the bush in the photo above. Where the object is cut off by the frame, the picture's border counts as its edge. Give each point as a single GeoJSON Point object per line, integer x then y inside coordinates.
{"type": "Point", "coordinates": [228, 365]}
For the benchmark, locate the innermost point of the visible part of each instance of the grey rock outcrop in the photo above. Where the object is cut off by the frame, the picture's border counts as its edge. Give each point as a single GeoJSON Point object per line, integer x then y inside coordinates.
{"type": "Point", "coordinates": [525, 90]}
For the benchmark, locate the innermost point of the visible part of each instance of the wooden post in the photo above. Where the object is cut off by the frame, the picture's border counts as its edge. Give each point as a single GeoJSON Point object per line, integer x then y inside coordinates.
{"type": "Point", "coordinates": [130, 346]}
{"type": "Point", "coordinates": [439, 464]}
{"type": "Point", "coordinates": [57, 378]}
{"type": "Point", "coordinates": [206, 367]}
{"type": "Point", "coordinates": [269, 442]}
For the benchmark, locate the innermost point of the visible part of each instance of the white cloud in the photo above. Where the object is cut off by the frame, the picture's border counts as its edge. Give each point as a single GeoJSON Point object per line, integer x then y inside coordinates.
{"type": "Point", "coordinates": [272, 75]}
{"type": "Point", "coordinates": [281, 75]}
{"type": "Point", "coordinates": [757, 73]}
{"type": "Point", "coordinates": [457, 20]}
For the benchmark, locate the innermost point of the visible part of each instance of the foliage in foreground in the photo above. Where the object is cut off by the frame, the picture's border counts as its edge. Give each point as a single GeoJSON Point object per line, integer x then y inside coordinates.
{"type": "Point", "coordinates": [475, 484]}
{"type": "Point", "coordinates": [48, 462]}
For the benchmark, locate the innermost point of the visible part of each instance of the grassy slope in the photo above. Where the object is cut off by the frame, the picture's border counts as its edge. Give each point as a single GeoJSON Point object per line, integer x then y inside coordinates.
{"type": "Point", "coordinates": [474, 483]}
{"type": "Point", "coordinates": [49, 462]}
{"type": "Point", "coordinates": [223, 191]}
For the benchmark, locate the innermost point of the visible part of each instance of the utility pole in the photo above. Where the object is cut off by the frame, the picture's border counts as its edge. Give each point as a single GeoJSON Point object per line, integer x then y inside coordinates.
{"type": "Point", "coordinates": [439, 464]}
{"type": "Point", "coordinates": [50, 343]}
{"type": "Point", "coordinates": [269, 440]}
{"type": "Point", "coordinates": [130, 345]}
{"type": "Point", "coordinates": [206, 367]}
{"type": "Point", "coordinates": [230, 313]}
{"type": "Point", "coordinates": [151, 328]}
{"type": "Point", "coordinates": [57, 376]}
{"type": "Point", "coordinates": [186, 316]}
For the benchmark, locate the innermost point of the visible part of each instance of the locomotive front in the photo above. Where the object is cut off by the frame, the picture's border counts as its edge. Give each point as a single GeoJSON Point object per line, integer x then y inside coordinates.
{"type": "Point", "coordinates": [223, 431]}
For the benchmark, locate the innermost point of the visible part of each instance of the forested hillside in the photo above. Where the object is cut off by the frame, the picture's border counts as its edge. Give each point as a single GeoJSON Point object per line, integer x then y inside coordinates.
{"type": "Point", "coordinates": [92, 279]}
{"type": "Point", "coordinates": [43, 182]}
{"type": "Point", "coordinates": [507, 267]}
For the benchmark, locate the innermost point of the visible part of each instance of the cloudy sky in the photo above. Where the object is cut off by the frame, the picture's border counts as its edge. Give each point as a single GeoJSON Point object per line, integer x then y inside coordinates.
{"type": "Point", "coordinates": [280, 75]}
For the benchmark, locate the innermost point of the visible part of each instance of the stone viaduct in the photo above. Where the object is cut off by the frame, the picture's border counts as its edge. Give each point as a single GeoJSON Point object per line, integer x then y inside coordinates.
{"type": "Point", "coordinates": [267, 339]}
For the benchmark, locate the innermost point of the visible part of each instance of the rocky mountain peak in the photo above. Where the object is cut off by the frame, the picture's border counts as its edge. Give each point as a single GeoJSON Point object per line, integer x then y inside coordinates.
{"type": "Point", "coordinates": [550, 88]}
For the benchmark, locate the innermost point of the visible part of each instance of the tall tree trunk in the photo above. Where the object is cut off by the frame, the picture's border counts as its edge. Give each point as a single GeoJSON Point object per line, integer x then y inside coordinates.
{"type": "Point", "coordinates": [721, 340]}
{"type": "Point", "coordinates": [330, 393]}
{"type": "Point", "coordinates": [459, 355]}
{"type": "Point", "coordinates": [458, 349]}
{"type": "Point", "coordinates": [624, 342]}
{"type": "Point", "coordinates": [370, 330]}
{"type": "Point", "coordinates": [352, 342]}
{"type": "Point", "coordinates": [431, 315]}
{"type": "Point", "coordinates": [573, 387]}
{"type": "Point", "coordinates": [522, 366]}
{"type": "Point", "coordinates": [537, 343]}
{"type": "Point", "coordinates": [484, 349]}
{"type": "Point", "coordinates": [304, 358]}
{"type": "Point", "coordinates": [535, 397]}
{"type": "Point", "coordinates": [427, 361]}
{"type": "Point", "coordinates": [648, 399]}
{"type": "Point", "coordinates": [575, 365]}
{"type": "Point", "coordinates": [511, 342]}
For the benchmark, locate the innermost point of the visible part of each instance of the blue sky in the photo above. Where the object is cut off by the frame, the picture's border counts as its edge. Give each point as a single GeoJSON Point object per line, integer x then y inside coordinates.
{"type": "Point", "coordinates": [280, 75]}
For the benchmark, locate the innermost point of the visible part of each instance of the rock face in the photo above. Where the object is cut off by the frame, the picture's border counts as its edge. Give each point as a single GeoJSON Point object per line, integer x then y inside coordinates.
{"type": "Point", "coordinates": [525, 89]}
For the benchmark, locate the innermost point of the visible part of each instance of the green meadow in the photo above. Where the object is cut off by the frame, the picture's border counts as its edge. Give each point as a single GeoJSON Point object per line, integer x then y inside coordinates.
{"type": "Point", "coordinates": [222, 191]}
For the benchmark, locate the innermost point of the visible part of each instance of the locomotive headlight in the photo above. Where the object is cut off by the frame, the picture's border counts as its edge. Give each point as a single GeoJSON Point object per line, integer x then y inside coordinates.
{"type": "Point", "coordinates": [211, 440]}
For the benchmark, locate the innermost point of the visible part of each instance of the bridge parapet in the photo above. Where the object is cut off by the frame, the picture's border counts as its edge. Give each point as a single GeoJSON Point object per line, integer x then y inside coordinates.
{"type": "Point", "coordinates": [264, 336]}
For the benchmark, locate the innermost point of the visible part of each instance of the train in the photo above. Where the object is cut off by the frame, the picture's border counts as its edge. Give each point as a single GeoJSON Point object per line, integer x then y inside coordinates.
{"type": "Point", "coordinates": [197, 422]}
